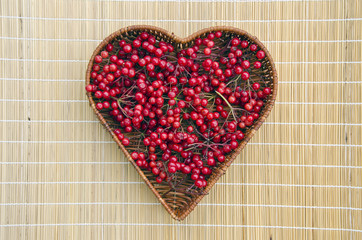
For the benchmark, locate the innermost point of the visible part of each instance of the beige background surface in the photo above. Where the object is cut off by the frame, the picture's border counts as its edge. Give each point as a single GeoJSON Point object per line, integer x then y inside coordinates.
{"type": "Point", "coordinates": [62, 177]}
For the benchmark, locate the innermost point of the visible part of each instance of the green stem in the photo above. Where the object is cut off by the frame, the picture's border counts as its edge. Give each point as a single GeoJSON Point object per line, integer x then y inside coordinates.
{"type": "Point", "coordinates": [227, 102]}
{"type": "Point", "coordinates": [224, 99]}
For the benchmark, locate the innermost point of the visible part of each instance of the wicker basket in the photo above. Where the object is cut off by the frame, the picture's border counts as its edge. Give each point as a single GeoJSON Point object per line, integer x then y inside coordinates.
{"type": "Point", "coordinates": [180, 204]}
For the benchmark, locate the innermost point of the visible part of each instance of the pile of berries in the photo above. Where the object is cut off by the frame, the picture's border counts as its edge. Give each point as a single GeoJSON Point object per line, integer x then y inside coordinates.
{"type": "Point", "coordinates": [180, 112]}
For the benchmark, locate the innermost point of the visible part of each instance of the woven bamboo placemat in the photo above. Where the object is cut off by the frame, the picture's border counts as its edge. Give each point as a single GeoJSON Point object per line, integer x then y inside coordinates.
{"type": "Point", "coordinates": [62, 176]}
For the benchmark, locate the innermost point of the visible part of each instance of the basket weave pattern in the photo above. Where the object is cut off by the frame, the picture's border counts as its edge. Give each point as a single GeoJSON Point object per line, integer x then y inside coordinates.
{"type": "Point", "coordinates": [179, 204]}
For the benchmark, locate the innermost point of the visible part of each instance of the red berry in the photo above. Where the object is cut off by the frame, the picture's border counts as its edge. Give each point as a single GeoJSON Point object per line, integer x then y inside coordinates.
{"type": "Point", "coordinates": [156, 171]}
{"type": "Point", "coordinates": [256, 86]}
{"type": "Point", "coordinates": [232, 99]}
{"type": "Point", "coordinates": [136, 43]}
{"type": "Point", "coordinates": [186, 170]}
{"type": "Point", "coordinates": [99, 106]}
{"type": "Point", "coordinates": [207, 51]}
{"type": "Point", "coordinates": [139, 163]}
{"type": "Point", "coordinates": [134, 155]}
{"type": "Point", "coordinates": [253, 47]}
{"type": "Point", "coordinates": [257, 65]}
{"type": "Point", "coordinates": [244, 44]}
{"type": "Point", "coordinates": [106, 105]}
{"type": "Point", "coordinates": [235, 42]}
{"type": "Point", "coordinates": [267, 91]}
{"type": "Point", "coordinates": [211, 161]}
{"type": "Point", "coordinates": [104, 54]}
{"type": "Point", "coordinates": [98, 59]}
{"type": "Point", "coordinates": [109, 47]}
{"type": "Point", "coordinates": [125, 142]}
{"type": "Point", "coordinates": [206, 171]}
{"type": "Point", "coordinates": [210, 44]}
{"type": "Point", "coordinates": [127, 48]}
{"type": "Point", "coordinates": [172, 169]}
{"type": "Point", "coordinates": [150, 67]}
{"type": "Point", "coordinates": [221, 158]}
{"type": "Point", "coordinates": [248, 107]}
{"type": "Point", "coordinates": [182, 61]}
{"type": "Point", "coordinates": [190, 129]}
{"type": "Point", "coordinates": [260, 54]}
{"type": "Point", "coordinates": [98, 94]}
{"type": "Point", "coordinates": [245, 75]}
{"type": "Point", "coordinates": [159, 179]}
{"type": "Point", "coordinates": [246, 64]}
{"type": "Point", "coordinates": [199, 183]}
{"type": "Point", "coordinates": [195, 176]}
{"type": "Point", "coordinates": [89, 88]}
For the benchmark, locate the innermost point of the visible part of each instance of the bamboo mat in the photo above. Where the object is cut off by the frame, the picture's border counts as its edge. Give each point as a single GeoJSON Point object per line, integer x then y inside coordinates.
{"type": "Point", "coordinates": [62, 177]}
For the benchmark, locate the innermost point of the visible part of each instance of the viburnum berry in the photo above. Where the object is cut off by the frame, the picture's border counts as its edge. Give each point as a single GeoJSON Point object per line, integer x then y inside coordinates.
{"type": "Point", "coordinates": [89, 88]}
{"type": "Point", "coordinates": [207, 51]}
{"type": "Point", "coordinates": [106, 104]}
{"type": "Point", "coordinates": [248, 107]}
{"type": "Point", "coordinates": [244, 44]}
{"type": "Point", "coordinates": [134, 155]}
{"type": "Point", "coordinates": [235, 42]}
{"type": "Point", "coordinates": [125, 141]}
{"type": "Point", "coordinates": [109, 47]}
{"type": "Point", "coordinates": [245, 75]}
{"type": "Point", "coordinates": [256, 86]}
{"type": "Point", "coordinates": [253, 47]}
{"type": "Point", "coordinates": [267, 91]}
{"type": "Point", "coordinates": [104, 54]}
{"type": "Point", "coordinates": [257, 65]}
{"type": "Point", "coordinates": [99, 106]}
{"type": "Point", "coordinates": [246, 64]}
{"type": "Point", "coordinates": [127, 48]}
{"type": "Point", "coordinates": [98, 59]}
{"type": "Point", "coordinates": [260, 54]}
{"type": "Point", "coordinates": [98, 94]}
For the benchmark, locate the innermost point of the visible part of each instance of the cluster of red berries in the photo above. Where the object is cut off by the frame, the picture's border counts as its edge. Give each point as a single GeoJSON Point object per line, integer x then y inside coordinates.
{"type": "Point", "coordinates": [181, 111]}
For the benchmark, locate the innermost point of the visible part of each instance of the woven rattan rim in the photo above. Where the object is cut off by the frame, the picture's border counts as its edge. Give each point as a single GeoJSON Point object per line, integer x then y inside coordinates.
{"type": "Point", "coordinates": [218, 172]}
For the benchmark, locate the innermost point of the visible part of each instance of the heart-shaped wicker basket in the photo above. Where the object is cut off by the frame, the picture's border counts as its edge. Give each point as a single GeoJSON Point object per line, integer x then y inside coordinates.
{"type": "Point", "coordinates": [180, 204]}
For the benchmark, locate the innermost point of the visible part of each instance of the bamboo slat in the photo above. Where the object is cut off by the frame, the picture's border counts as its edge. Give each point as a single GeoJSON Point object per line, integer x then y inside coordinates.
{"type": "Point", "coordinates": [63, 177]}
